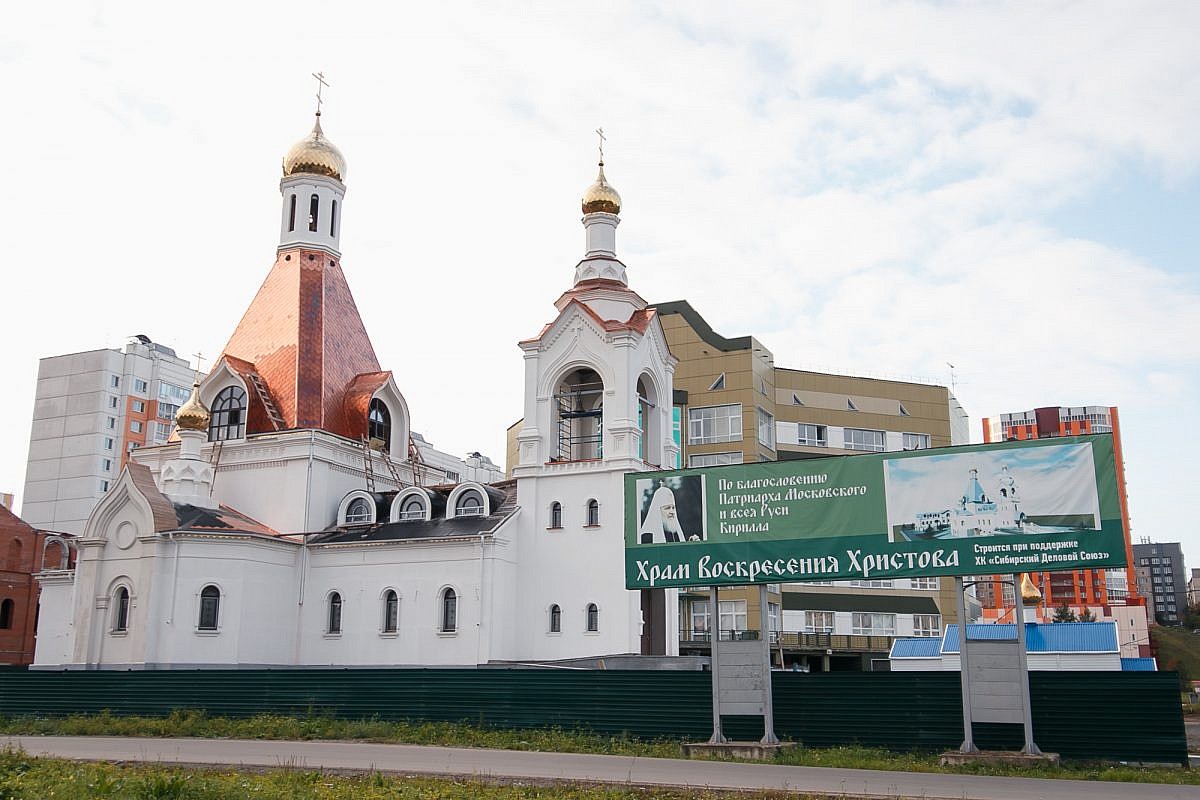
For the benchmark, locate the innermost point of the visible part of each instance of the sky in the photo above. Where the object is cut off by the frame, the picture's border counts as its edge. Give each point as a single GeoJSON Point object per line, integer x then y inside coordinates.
{"type": "Point", "coordinates": [872, 188]}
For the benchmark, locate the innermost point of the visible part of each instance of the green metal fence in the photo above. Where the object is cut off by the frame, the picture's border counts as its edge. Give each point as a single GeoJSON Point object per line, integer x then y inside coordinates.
{"type": "Point", "coordinates": [1127, 716]}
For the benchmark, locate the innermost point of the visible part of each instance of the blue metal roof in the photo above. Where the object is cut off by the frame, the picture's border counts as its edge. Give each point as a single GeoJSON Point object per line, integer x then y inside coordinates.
{"type": "Point", "coordinates": [1138, 665]}
{"type": "Point", "coordinates": [1058, 637]}
{"type": "Point", "coordinates": [920, 647]}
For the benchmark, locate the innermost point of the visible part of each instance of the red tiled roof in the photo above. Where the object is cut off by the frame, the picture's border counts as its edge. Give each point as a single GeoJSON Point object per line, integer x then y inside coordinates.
{"type": "Point", "coordinates": [638, 321]}
{"type": "Point", "coordinates": [302, 333]}
{"type": "Point", "coordinates": [358, 401]}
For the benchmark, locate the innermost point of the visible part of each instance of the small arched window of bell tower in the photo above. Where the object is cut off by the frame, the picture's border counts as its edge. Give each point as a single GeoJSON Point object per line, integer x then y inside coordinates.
{"type": "Point", "coordinates": [379, 425]}
{"type": "Point", "coordinates": [314, 203]}
{"type": "Point", "coordinates": [333, 219]}
{"type": "Point", "coordinates": [292, 215]}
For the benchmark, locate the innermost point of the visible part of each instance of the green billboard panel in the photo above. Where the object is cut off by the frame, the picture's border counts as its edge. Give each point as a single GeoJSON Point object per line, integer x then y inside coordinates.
{"type": "Point", "coordinates": [1048, 504]}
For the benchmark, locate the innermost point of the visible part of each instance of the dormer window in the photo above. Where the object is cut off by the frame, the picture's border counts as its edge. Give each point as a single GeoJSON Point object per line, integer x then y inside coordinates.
{"type": "Point", "coordinates": [469, 504]}
{"type": "Point", "coordinates": [379, 425]}
{"type": "Point", "coordinates": [228, 415]}
{"type": "Point", "coordinates": [412, 509]}
{"type": "Point", "coordinates": [358, 512]}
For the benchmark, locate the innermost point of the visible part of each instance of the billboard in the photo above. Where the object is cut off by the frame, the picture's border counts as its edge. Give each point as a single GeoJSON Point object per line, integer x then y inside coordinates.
{"type": "Point", "coordinates": [1033, 506]}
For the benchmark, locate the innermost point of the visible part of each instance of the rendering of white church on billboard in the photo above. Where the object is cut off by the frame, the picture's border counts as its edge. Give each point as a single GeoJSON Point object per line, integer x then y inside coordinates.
{"type": "Point", "coordinates": [292, 522]}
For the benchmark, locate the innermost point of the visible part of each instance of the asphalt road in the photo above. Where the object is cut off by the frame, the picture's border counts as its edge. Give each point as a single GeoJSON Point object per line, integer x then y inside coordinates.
{"type": "Point", "coordinates": [517, 765]}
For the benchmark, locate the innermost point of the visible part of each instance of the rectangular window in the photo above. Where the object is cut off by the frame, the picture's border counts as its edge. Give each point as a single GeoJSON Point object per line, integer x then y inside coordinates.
{"type": "Point", "coordinates": [112, 423]}
{"type": "Point", "coordinates": [104, 486]}
{"type": "Point", "coordinates": [140, 386]}
{"type": "Point", "coordinates": [677, 433]}
{"type": "Point", "coordinates": [699, 616]}
{"type": "Point", "coordinates": [925, 583]}
{"type": "Point", "coordinates": [715, 424]}
{"type": "Point", "coordinates": [866, 624]}
{"type": "Point", "coordinates": [927, 624]}
{"type": "Point", "coordinates": [170, 393]}
{"type": "Point", "coordinates": [773, 616]}
{"type": "Point", "coordinates": [818, 622]}
{"type": "Point", "coordinates": [135, 426]}
{"type": "Point", "coordinates": [882, 584]}
{"type": "Point", "coordinates": [451, 477]}
{"type": "Point", "coordinates": [766, 428]}
{"type": "Point", "coordinates": [812, 435]}
{"type": "Point", "coordinates": [858, 439]}
{"type": "Point", "coordinates": [733, 615]}
{"type": "Point", "coordinates": [108, 443]}
{"type": "Point", "coordinates": [139, 406]}
{"type": "Point", "coordinates": [114, 381]}
{"type": "Point", "coordinates": [162, 432]}
{"type": "Point", "coordinates": [917, 441]}
{"type": "Point", "coordinates": [106, 464]}
{"type": "Point", "coordinates": [167, 410]}
{"type": "Point", "coordinates": [112, 401]}
{"type": "Point", "coordinates": [714, 459]}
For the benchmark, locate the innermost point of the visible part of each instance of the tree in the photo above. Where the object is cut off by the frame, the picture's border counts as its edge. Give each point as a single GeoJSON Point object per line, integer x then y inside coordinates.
{"type": "Point", "coordinates": [1086, 615]}
{"type": "Point", "coordinates": [1064, 613]}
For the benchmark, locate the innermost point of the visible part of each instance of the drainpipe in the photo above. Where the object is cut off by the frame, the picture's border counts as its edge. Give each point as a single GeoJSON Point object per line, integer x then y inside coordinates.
{"type": "Point", "coordinates": [481, 627]}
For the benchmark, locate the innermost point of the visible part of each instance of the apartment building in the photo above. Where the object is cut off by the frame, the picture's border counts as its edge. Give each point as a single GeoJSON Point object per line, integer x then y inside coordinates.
{"type": "Point", "coordinates": [1163, 578]}
{"type": "Point", "coordinates": [91, 410]}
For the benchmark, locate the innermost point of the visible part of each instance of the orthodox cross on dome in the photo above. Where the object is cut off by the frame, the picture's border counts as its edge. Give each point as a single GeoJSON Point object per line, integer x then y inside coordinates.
{"type": "Point", "coordinates": [600, 133]}
{"type": "Point", "coordinates": [199, 362]}
{"type": "Point", "coordinates": [321, 84]}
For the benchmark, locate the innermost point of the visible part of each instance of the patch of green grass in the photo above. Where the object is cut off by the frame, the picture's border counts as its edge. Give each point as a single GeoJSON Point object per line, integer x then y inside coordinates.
{"type": "Point", "coordinates": [23, 777]}
{"type": "Point", "coordinates": [1177, 649]}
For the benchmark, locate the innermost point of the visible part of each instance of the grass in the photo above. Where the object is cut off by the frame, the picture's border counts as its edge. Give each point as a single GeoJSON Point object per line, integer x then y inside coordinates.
{"type": "Point", "coordinates": [1177, 649]}
{"type": "Point", "coordinates": [25, 778]}
{"type": "Point", "coordinates": [200, 725]}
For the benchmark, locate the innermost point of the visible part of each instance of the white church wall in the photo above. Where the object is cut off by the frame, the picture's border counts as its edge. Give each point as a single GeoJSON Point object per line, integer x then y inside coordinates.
{"type": "Point", "coordinates": [55, 628]}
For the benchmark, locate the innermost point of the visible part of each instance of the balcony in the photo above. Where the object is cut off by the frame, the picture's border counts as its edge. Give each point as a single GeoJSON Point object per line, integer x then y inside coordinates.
{"type": "Point", "coordinates": [795, 641]}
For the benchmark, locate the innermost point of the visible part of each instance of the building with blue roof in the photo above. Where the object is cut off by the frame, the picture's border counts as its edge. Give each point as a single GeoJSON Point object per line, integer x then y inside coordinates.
{"type": "Point", "coordinates": [1055, 646]}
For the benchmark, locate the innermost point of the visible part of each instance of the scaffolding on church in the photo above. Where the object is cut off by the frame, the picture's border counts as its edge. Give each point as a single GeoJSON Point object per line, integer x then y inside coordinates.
{"type": "Point", "coordinates": [580, 421]}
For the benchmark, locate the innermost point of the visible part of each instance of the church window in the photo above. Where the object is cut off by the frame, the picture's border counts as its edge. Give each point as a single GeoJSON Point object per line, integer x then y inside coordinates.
{"type": "Point", "coordinates": [121, 615]}
{"type": "Point", "coordinates": [413, 508]}
{"type": "Point", "coordinates": [579, 399]}
{"type": "Point", "coordinates": [593, 513]}
{"type": "Point", "coordinates": [391, 611]}
{"type": "Point", "coordinates": [555, 619]}
{"type": "Point", "coordinates": [449, 621]}
{"type": "Point", "coordinates": [470, 504]}
{"type": "Point", "coordinates": [334, 620]}
{"type": "Point", "coordinates": [593, 618]}
{"type": "Point", "coordinates": [379, 425]}
{"type": "Point", "coordinates": [55, 556]}
{"type": "Point", "coordinates": [228, 415]}
{"type": "Point", "coordinates": [292, 215]}
{"type": "Point", "coordinates": [210, 605]}
{"type": "Point", "coordinates": [333, 218]}
{"type": "Point", "coordinates": [555, 515]}
{"type": "Point", "coordinates": [314, 203]}
{"type": "Point", "coordinates": [6, 614]}
{"type": "Point", "coordinates": [358, 512]}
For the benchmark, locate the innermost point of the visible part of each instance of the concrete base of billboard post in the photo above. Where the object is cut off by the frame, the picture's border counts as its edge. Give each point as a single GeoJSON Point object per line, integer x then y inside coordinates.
{"type": "Point", "coordinates": [753, 751]}
{"type": "Point", "coordinates": [1008, 757]}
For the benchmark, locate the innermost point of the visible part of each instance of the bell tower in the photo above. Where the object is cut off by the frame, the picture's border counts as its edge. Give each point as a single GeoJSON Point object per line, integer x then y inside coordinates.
{"type": "Point", "coordinates": [312, 189]}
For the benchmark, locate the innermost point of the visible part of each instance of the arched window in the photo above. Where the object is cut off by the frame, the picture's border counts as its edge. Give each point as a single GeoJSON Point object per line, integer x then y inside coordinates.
{"type": "Point", "coordinates": [593, 513]}
{"type": "Point", "coordinates": [391, 611]}
{"type": "Point", "coordinates": [470, 504]}
{"type": "Point", "coordinates": [314, 203]}
{"type": "Point", "coordinates": [556, 514]}
{"type": "Point", "coordinates": [379, 424]}
{"type": "Point", "coordinates": [210, 605]}
{"type": "Point", "coordinates": [413, 508]}
{"type": "Point", "coordinates": [579, 399]}
{"type": "Point", "coordinates": [292, 215]}
{"type": "Point", "coordinates": [449, 621]}
{"type": "Point", "coordinates": [55, 556]}
{"type": "Point", "coordinates": [228, 415]}
{"type": "Point", "coordinates": [15, 548]}
{"type": "Point", "coordinates": [121, 611]}
{"type": "Point", "coordinates": [593, 618]}
{"type": "Point", "coordinates": [6, 614]}
{"type": "Point", "coordinates": [334, 621]}
{"type": "Point", "coordinates": [555, 619]}
{"type": "Point", "coordinates": [333, 219]}
{"type": "Point", "coordinates": [358, 512]}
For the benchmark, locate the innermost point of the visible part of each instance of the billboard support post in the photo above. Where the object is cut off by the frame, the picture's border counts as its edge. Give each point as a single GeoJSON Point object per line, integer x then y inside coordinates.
{"type": "Point", "coordinates": [714, 637]}
{"type": "Point", "coordinates": [968, 745]}
{"type": "Point", "coordinates": [764, 625]}
{"type": "Point", "coordinates": [1030, 748]}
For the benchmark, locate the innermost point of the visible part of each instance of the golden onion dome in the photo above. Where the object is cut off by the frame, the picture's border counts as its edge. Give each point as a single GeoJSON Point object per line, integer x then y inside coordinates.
{"type": "Point", "coordinates": [192, 415]}
{"type": "Point", "coordinates": [1029, 592]}
{"type": "Point", "coordinates": [601, 196]}
{"type": "Point", "coordinates": [315, 155]}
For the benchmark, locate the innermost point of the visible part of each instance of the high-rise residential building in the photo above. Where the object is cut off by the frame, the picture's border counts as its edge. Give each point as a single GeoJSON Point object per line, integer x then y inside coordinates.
{"type": "Point", "coordinates": [90, 410]}
{"type": "Point", "coordinates": [6, 500]}
{"type": "Point", "coordinates": [1078, 589]}
{"type": "Point", "coordinates": [1193, 591]}
{"type": "Point", "coordinates": [1162, 574]}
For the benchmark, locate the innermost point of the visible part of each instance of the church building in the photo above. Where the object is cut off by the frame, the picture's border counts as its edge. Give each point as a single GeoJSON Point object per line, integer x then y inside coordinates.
{"type": "Point", "coordinates": [292, 520]}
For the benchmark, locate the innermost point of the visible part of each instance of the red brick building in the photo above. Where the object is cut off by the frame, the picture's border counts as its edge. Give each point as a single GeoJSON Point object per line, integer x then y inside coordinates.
{"type": "Point", "coordinates": [23, 552]}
